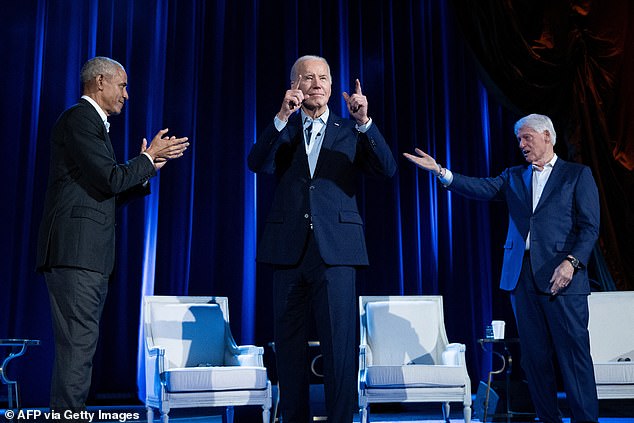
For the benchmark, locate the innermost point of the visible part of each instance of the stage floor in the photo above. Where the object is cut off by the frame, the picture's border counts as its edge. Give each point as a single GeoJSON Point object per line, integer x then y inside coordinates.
{"type": "Point", "coordinates": [611, 411]}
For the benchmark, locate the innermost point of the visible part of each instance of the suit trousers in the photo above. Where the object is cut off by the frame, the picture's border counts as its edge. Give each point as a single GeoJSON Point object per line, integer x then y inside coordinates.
{"type": "Point", "coordinates": [77, 298]}
{"type": "Point", "coordinates": [555, 326]}
{"type": "Point", "coordinates": [325, 293]}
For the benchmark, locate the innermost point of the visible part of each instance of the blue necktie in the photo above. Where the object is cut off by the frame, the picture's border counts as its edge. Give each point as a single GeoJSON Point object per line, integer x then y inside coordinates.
{"type": "Point", "coordinates": [309, 131]}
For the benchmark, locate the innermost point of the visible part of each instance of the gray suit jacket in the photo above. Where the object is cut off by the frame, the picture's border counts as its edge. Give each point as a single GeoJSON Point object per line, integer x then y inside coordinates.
{"type": "Point", "coordinates": [85, 183]}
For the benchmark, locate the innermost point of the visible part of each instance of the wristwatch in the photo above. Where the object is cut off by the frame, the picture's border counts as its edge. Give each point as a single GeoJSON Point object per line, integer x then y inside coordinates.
{"type": "Point", "coordinates": [576, 264]}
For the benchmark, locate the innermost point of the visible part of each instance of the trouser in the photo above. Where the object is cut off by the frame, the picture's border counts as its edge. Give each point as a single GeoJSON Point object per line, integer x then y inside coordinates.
{"type": "Point", "coordinates": [551, 326]}
{"type": "Point", "coordinates": [77, 298]}
{"type": "Point", "coordinates": [327, 293]}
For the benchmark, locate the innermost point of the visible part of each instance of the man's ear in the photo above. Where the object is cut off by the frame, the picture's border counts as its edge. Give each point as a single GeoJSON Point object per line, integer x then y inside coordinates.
{"type": "Point", "coordinates": [99, 81]}
{"type": "Point", "coordinates": [547, 136]}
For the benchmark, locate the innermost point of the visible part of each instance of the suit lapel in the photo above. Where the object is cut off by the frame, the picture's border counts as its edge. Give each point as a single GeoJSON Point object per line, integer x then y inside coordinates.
{"type": "Point", "coordinates": [527, 177]}
{"type": "Point", "coordinates": [109, 146]}
{"type": "Point", "coordinates": [106, 137]}
{"type": "Point", "coordinates": [296, 135]}
{"type": "Point", "coordinates": [554, 180]}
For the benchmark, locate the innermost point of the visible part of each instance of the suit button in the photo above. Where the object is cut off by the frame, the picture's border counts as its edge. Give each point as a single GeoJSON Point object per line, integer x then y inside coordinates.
{"type": "Point", "coordinates": [312, 187]}
{"type": "Point", "coordinates": [306, 216]}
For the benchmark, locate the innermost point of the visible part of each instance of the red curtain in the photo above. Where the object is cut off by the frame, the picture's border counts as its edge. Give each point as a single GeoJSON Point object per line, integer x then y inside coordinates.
{"type": "Point", "coordinates": [574, 61]}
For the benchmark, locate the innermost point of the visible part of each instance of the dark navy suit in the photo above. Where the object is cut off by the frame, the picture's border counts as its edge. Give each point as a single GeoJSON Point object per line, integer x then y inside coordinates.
{"type": "Point", "coordinates": [314, 237]}
{"type": "Point", "coordinates": [564, 222]}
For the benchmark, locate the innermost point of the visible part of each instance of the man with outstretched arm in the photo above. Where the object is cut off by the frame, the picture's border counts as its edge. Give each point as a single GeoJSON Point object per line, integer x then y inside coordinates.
{"type": "Point", "coordinates": [553, 225]}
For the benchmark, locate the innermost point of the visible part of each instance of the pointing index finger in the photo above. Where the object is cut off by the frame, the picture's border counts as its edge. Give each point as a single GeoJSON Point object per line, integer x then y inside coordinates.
{"type": "Point", "coordinates": [296, 84]}
{"type": "Point", "coordinates": [357, 88]}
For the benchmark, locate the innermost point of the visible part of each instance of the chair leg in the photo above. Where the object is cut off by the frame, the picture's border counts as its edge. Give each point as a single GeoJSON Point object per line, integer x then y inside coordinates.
{"type": "Point", "coordinates": [228, 416]}
{"type": "Point", "coordinates": [164, 418]}
{"type": "Point", "coordinates": [467, 414]}
{"type": "Point", "coordinates": [266, 414]}
{"type": "Point", "coordinates": [363, 414]}
{"type": "Point", "coordinates": [445, 411]}
{"type": "Point", "coordinates": [150, 415]}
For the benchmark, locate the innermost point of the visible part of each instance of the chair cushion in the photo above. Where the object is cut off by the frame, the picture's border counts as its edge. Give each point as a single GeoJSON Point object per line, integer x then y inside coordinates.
{"type": "Point", "coordinates": [614, 373]}
{"type": "Point", "coordinates": [416, 375]}
{"type": "Point", "coordinates": [192, 334]}
{"type": "Point", "coordinates": [215, 378]}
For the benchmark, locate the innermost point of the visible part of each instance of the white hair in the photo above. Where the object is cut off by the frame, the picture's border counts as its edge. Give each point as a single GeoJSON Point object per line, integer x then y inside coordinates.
{"type": "Point", "coordinates": [538, 123]}
{"type": "Point", "coordinates": [305, 58]}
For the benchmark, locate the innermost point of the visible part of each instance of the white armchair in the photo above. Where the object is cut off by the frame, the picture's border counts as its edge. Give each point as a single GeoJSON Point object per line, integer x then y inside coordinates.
{"type": "Point", "coordinates": [405, 355]}
{"type": "Point", "coordinates": [611, 328]}
{"type": "Point", "coordinates": [192, 360]}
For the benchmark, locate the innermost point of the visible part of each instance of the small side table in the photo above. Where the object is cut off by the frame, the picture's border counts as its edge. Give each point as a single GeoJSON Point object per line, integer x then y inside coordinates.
{"type": "Point", "coordinates": [17, 348]}
{"type": "Point", "coordinates": [507, 364]}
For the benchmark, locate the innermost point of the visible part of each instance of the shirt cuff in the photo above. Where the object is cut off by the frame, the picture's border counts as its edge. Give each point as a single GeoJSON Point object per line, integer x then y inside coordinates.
{"type": "Point", "coordinates": [279, 123]}
{"type": "Point", "coordinates": [447, 179]}
{"type": "Point", "coordinates": [364, 128]}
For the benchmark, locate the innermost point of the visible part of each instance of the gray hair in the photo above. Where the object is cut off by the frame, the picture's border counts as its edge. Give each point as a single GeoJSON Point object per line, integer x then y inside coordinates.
{"type": "Point", "coordinates": [305, 58]}
{"type": "Point", "coordinates": [538, 123]}
{"type": "Point", "coordinates": [98, 66]}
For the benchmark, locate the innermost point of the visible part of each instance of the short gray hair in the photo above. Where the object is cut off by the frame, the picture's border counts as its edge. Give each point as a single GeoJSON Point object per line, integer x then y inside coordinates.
{"type": "Point", "coordinates": [305, 58]}
{"type": "Point", "coordinates": [98, 66]}
{"type": "Point", "coordinates": [538, 123]}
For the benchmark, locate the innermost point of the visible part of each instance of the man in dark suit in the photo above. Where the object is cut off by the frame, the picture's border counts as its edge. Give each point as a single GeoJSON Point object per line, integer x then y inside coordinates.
{"type": "Point", "coordinates": [553, 225]}
{"type": "Point", "coordinates": [314, 234]}
{"type": "Point", "coordinates": [76, 240]}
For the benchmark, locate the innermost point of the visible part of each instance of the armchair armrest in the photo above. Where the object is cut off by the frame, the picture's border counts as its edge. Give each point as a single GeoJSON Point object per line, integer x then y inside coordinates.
{"type": "Point", "coordinates": [454, 355]}
{"type": "Point", "coordinates": [245, 355]}
{"type": "Point", "coordinates": [362, 356]}
{"type": "Point", "coordinates": [156, 351]}
{"type": "Point", "coordinates": [362, 367]}
{"type": "Point", "coordinates": [154, 369]}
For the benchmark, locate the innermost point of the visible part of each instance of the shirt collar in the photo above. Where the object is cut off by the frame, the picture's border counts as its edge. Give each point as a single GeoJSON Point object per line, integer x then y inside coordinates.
{"type": "Point", "coordinates": [102, 114]}
{"type": "Point", "coordinates": [550, 164]}
{"type": "Point", "coordinates": [323, 118]}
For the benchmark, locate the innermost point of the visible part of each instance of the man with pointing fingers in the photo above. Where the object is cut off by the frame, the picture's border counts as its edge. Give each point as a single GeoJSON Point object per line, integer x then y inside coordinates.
{"type": "Point", "coordinates": [313, 234]}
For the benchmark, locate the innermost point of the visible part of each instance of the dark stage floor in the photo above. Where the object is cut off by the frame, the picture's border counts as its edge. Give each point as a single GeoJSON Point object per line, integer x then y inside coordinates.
{"type": "Point", "coordinates": [612, 411]}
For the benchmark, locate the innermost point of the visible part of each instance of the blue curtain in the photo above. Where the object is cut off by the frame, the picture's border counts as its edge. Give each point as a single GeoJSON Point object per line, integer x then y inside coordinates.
{"type": "Point", "coordinates": [216, 71]}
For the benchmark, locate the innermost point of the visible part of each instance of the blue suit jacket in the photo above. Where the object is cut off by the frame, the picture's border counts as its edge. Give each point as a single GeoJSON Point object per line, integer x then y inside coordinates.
{"type": "Point", "coordinates": [328, 198]}
{"type": "Point", "coordinates": [565, 221]}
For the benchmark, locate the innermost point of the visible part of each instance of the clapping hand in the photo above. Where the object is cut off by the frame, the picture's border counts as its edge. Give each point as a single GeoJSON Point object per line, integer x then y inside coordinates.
{"type": "Point", "coordinates": [162, 149]}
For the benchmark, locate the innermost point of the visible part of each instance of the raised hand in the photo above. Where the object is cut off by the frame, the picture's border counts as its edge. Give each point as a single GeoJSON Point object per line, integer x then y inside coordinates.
{"type": "Point", "coordinates": [423, 160]}
{"type": "Point", "coordinates": [162, 149]}
{"type": "Point", "coordinates": [292, 100]}
{"type": "Point", "coordinates": [357, 104]}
